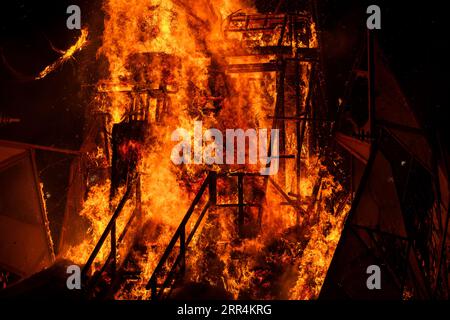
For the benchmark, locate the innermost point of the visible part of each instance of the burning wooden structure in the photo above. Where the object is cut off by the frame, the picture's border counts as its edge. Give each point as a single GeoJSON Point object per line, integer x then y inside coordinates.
{"type": "Point", "coordinates": [249, 71]}
{"type": "Point", "coordinates": [143, 228]}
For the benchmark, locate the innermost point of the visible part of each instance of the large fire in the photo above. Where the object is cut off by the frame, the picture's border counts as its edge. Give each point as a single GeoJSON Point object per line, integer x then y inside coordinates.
{"type": "Point", "coordinates": [170, 58]}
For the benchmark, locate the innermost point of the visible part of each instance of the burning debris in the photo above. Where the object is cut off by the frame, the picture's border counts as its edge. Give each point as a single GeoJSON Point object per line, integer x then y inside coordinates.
{"type": "Point", "coordinates": [66, 55]}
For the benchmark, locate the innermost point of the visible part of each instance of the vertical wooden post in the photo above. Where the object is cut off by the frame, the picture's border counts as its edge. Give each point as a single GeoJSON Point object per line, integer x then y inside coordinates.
{"type": "Point", "coordinates": [183, 250]}
{"type": "Point", "coordinates": [213, 188]}
{"type": "Point", "coordinates": [241, 205]}
{"type": "Point", "coordinates": [113, 250]}
{"type": "Point", "coordinates": [298, 124]}
{"type": "Point", "coordinates": [139, 198]}
{"type": "Point", "coordinates": [279, 119]}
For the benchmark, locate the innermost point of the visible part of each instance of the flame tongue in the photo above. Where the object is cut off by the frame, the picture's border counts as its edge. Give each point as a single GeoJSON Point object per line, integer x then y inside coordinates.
{"type": "Point", "coordinates": [66, 55]}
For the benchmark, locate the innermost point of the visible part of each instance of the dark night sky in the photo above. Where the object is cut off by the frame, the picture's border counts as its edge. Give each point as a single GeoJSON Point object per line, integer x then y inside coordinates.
{"type": "Point", "coordinates": [412, 38]}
